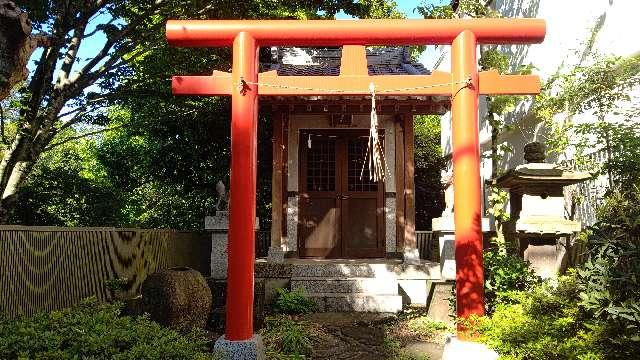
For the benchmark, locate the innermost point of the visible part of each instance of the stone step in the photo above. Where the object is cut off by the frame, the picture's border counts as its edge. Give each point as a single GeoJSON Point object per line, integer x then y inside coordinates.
{"type": "Point", "coordinates": [344, 270]}
{"type": "Point", "coordinates": [368, 286]}
{"type": "Point", "coordinates": [332, 302]}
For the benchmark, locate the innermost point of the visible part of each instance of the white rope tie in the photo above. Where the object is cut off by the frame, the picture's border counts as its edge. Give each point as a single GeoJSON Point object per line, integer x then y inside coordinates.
{"type": "Point", "coordinates": [465, 82]}
{"type": "Point", "coordinates": [375, 156]}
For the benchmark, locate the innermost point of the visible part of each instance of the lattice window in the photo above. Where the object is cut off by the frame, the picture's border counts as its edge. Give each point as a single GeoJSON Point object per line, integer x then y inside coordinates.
{"type": "Point", "coordinates": [321, 164]}
{"type": "Point", "coordinates": [356, 155]}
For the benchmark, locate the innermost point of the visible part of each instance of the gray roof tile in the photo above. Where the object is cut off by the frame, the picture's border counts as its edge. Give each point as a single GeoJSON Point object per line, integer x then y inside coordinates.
{"type": "Point", "coordinates": [326, 61]}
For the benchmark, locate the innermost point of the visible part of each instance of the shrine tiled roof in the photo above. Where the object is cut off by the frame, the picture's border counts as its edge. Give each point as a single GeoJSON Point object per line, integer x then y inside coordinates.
{"type": "Point", "coordinates": [326, 61]}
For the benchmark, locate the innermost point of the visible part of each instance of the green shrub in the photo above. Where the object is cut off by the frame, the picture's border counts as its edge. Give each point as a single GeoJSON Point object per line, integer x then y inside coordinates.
{"type": "Point", "coordinates": [293, 302]}
{"type": "Point", "coordinates": [426, 328]}
{"type": "Point", "coordinates": [286, 338]}
{"type": "Point", "coordinates": [610, 278]}
{"type": "Point", "coordinates": [504, 273]}
{"type": "Point", "coordinates": [96, 331]}
{"type": "Point", "coordinates": [545, 322]}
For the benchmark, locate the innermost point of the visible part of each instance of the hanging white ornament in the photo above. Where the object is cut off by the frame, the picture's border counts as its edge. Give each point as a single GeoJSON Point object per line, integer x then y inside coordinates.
{"type": "Point", "coordinates": [375, 156]}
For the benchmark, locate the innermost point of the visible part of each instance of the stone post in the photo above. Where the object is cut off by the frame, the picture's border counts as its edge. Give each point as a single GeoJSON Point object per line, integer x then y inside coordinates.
{"type": "Point", "coordinates": [218, 225]}
{"type": "Point", "coordinates": [445, 228]}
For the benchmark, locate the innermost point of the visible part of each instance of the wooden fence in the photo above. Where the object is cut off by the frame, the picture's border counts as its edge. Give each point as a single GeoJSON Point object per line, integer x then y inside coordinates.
{"type": "Point", "coordinates": [428, 247]}
{"type": "Point", "coordinates": [47, 268]}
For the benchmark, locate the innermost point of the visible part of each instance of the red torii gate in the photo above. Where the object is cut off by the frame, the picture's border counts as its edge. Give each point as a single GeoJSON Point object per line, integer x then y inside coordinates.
{"type": "Point", "coordinates": [244, 84]}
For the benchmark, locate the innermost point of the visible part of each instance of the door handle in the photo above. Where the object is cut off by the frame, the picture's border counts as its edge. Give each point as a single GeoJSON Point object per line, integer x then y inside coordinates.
{"type": "Point", "coordinates": [342, 197]}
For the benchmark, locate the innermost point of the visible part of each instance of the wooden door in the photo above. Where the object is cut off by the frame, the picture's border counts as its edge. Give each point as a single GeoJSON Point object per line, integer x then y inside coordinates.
{"type": "Point", "coordinates": [362, 206]}
{"type": "Point", "coordinates": [341, 215]}
{"type": "Point", "coordinates": [319, 209]}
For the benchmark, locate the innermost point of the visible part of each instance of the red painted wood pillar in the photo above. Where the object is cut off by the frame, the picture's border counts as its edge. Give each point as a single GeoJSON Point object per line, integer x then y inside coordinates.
{"type": "Point", "coordinates": [466, 177]}
{"type": "Point", "coordinates": [242, 203]}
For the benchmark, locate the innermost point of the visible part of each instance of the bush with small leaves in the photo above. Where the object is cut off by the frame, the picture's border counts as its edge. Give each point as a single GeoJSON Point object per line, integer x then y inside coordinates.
{"type": "Point", "coordinates": [97, 331]}
{"type": "Point", "coordinates": [287, 338]}
{"type": "Point", "coordinates": [504, 273]}
{"type": "Point", "coordinates": [545, 322]}
{"type": "Point", "coordinates": [293, 302]}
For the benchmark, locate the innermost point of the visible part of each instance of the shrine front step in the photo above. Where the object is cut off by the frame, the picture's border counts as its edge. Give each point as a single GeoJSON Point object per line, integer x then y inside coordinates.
{"type": "Point", "coordinates": [346, 285]}
{"type": "Point", "coordinates": [334, 302]}
{"type": "Point", "coordinates": [353, 285]}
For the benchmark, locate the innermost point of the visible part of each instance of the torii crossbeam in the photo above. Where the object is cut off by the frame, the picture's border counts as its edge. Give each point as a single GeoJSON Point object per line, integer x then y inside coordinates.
{"type": "Point", "coordinates": [244, 84]}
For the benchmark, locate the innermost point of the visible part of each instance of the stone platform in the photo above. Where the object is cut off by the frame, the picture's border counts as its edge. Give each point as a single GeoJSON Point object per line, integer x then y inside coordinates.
{"type": "Point", "coordinates": [344, 285]}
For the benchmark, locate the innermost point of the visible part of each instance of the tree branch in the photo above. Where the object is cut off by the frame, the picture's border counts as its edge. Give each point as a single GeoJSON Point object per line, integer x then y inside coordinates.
{"type": "Point", "coordinates": [98, 29]}
{"type": "Point", "coordinates": [104, 52]}
{"type": "Point", "coordinates": [4, 140]}
{"type": "Point", "coordinates": [72, 54]}
{"type": "Point", "coordinates": [91, 133]}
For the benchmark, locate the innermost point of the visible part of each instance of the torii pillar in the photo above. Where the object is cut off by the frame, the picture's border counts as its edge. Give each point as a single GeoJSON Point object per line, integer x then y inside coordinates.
{"type": "Point", "coordinates": [464, 84]}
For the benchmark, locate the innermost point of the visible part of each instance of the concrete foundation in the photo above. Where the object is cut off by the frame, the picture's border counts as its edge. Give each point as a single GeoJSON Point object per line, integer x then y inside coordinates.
{"type": "Point", "coordinates": [455, 349]}
{"type": "Point", "coordinates": [252, 349]}
{"type": "Point", "coordinates": [414, 292]}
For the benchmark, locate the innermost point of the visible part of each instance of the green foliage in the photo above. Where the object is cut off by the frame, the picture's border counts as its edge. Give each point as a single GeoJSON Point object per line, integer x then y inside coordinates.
{"type": "Point", "coordinates": [600, 86]}
{"type": "Point", "coordinates": [286, 338]}
{"type": "Point", "coordinates": [621, 141]}
{"type": "Point", "coordinates": [426, 328]}
{"type": "Point", "coordinates": [293, 302]}
{"type": "Point", "coordinates": [472, 8]}
{"type": "Point", "coordinates": [593, 313]}
{"type": "Point", "coordinates": [66, 188]}
{"type": "Point", "coordinates": [165, 172]}
{"type": "Point", "coordinates": [610, 278]}
{"type": "Point", "coordinates": [117, 284]}
{"type": "Point", "coordinates": [542, 323]}
{"type": "Point", "coordinates": [497, 200]}
{"type": "Point", "coordinates": [93, 331]}
{"type": "Point", "coordinates": [503, 274]}
{"type": "Point", "coordinates": [429, 163]}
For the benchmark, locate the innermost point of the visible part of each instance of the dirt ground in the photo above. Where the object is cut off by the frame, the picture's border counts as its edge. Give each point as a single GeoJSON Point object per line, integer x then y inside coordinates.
{"type": "Point", "coordinates": [372, 336]}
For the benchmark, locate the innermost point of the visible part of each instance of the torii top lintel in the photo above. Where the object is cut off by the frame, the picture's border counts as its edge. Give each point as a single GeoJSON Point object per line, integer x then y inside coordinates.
{"type": "Point", "coordinates": [210, 33]}
{"type": "Point", "coordinates": [353, 79]}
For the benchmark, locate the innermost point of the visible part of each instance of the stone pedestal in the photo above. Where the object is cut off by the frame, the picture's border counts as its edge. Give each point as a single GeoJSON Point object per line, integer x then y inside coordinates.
{"type": "Point", "coordinates": [218, 225]}
{"type": "Point", "coordinates": [439, 294]}
{"type": "Point", "coordinates": [455, 349]}
{"type": "Point", "coordinates": [252, 349]}
{"type": "Point", "coordinates": [446, 240]}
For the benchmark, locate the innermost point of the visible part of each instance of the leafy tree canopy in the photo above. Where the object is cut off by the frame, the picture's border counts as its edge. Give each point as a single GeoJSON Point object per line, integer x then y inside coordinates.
{"type": "Point", "coordinates": [158, 157]}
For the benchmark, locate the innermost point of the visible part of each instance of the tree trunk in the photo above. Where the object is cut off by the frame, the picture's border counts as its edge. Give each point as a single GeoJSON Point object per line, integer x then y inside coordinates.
{"type": "Point", "coordinates": [16, 46]}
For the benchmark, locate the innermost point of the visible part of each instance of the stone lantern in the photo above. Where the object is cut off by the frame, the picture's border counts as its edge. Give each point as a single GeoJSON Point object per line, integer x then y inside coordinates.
{"type": "Point", "coordinates": [537, 208]}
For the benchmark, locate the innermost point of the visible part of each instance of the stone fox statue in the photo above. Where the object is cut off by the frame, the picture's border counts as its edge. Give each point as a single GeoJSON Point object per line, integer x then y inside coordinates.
{"type": "Point", "coordinates": [223, 197]}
